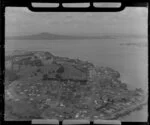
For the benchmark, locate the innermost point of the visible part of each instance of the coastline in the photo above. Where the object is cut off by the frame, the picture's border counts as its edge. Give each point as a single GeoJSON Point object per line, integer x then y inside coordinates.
{"type": "Point", "coordinates": [128, 111]}
{"type": "Point", "coordinates": [105, 72]}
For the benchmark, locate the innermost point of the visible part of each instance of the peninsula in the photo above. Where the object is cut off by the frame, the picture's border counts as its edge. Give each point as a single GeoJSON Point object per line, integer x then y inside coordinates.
{"type": "Point", "coordinates": [41, 85]}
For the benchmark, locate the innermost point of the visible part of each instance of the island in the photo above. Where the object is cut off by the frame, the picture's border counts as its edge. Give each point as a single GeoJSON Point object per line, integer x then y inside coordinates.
{"type": "Point", "coordinates": [51, 36]}
{"type": "Point", "coordinates": [40, 85]}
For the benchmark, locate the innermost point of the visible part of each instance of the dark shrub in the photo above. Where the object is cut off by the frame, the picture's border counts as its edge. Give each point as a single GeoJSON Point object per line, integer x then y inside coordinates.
{"type": "Point", "coordinates": [38, 70]}
{"type": "Point", "coordinates": [61, 69]}
{"type": "Point", "coordinates": [45, 77]}
{"type": "Point", "coordinates": [36, 63]}
{"type": "Point", "coordinates": [57, 76]}
{"type": "Point", "coordinates": [11, 75]}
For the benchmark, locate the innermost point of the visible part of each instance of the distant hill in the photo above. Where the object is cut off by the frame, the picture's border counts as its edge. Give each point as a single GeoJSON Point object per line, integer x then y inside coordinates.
{"type": "Point", "coordinates": [49, 36]}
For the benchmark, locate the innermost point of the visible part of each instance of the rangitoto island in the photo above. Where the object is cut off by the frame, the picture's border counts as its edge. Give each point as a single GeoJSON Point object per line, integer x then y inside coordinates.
{"type": "Point", "coordinates": [51, 36]}
{"type": "Point", "coordinates": [40, 85]}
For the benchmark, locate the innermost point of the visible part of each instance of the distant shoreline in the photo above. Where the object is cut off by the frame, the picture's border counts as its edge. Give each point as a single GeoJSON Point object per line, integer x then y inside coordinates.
{"type": "Point", "coordinates": [51, 36]}
{"type": "Point", "coordinates": [139, 44]}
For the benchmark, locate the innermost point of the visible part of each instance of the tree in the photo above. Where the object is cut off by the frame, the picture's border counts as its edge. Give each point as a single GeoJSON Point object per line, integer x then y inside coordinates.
{"type": "Point", "coordinates": [60, 70]}
{"type": "Point", "coordinates": [38, 70]}
{"type": "Point", "coordinates": [45, 77]}
{"type": "Point", "coordinates": [11, 75]}
{"type": "Point", "coordinates": [57, 76]}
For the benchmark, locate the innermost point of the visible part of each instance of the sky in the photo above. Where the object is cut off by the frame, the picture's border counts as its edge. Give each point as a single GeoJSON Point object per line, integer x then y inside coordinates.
{"type": "Point", "coordinates": [21, 21]}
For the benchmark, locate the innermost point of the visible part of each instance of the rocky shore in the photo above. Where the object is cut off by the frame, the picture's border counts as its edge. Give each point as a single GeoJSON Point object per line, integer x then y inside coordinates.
{"type": "Point", "coordinates": [127, 111]}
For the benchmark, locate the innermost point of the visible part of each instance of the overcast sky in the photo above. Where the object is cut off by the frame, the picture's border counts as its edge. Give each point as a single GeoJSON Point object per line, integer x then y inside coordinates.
{"type": "Point", "coordinates": [21, 21]}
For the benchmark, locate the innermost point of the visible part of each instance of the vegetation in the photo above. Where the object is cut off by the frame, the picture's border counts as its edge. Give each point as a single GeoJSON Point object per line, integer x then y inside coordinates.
{"type": "Point", "coordinates": [60, 70]}
{"type": "Point", "coordinates": [45, 77]}
{"type": "Point", "coordinates": [11, 75]}
{"type": "Point", "coordinates": [66, 88]}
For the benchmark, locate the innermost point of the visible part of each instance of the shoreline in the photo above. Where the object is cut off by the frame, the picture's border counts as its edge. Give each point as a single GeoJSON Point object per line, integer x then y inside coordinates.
{"type": "Point", "coordinates": [125, 109]}
{"type": "Point", "coordinates": [128, 111]}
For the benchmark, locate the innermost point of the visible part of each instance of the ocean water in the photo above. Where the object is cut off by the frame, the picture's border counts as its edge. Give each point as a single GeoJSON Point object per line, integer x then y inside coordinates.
{"type": "Point", "coordinates": [130, 61]}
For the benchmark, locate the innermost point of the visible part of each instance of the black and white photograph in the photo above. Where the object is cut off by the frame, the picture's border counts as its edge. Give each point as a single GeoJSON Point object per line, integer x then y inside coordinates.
{"type": "Point", "coordinates": [76, 65]}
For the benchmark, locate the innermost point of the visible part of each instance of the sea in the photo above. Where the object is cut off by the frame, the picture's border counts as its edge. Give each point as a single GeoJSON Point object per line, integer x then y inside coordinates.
{"type": "Point", "coordinates": [129, 60]}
